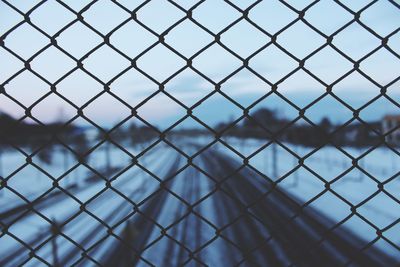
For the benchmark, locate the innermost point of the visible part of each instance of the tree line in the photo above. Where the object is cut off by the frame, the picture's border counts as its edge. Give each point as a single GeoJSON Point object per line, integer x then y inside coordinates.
{"type": "Point", "coordinates": [265, 123]}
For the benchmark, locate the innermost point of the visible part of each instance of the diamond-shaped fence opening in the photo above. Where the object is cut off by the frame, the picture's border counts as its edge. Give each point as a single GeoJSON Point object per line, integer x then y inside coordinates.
{"type": "Point", "coordinates": [158, 9]}
{"type": "Point", "coordinates": [273, 64]}
{"type": "Point", "coordinates": [354, 35]}
{"type": "Point", "coordinates": [52, 22]}
{"type": "Point", "coordinates": [17, 89]}
{"type": "Point", "coordinates": [216, 63]}
{"type": "Point", "coordinates": [326, 21]}
{"type": "Point", "coordinates": [89, 40]}
{"type": "Point", "coordinates": [200, 133]}
{"type": "Point", "coordinates": [241, 31]}
{"type": "Point", "coordinates": [187, 38]}
{"type": "Point", "coordinates": [21, 35]}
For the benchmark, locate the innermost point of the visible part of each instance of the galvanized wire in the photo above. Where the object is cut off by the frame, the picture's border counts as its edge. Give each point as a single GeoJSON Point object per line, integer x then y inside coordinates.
{"type": "Point", "coordinates": [273, 40]}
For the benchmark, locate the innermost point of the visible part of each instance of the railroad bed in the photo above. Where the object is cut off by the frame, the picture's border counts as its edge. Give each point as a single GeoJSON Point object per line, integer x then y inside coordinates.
{"type": "Point", "coordinates": [215, 213]}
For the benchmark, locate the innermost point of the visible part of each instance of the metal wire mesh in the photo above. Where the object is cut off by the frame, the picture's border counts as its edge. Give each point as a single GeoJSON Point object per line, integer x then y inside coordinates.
{"type": "Point", "coordinates": [287, 224]}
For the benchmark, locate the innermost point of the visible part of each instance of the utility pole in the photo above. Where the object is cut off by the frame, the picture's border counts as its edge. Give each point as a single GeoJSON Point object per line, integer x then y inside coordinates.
{"type": "Point", "coordinates": [1, 170]}
{"type": "Point", "coordinates": [274, 161]}
{"type": "Point", "coordinates": [266, 162]}
{"type": "Point", "coordinates": [394, 164]}
{"type": "Point", "coordinates": [66, 163]}
{"type": "Point", "coordinates": [328, 160]}
{"type": "Point", "coordinates": [296, 162]}
{"type": "Point", "coordinates": [54, 248]}
{"type": "Point", "coordinates": [108, 156]}
{"type": "Point", "coordinates": [360, 164]}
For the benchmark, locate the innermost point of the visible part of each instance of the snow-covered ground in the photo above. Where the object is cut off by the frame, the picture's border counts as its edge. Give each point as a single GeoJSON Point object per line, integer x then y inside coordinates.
{"type": "Point", "coordinates": [33, 180]}
{"type": "Point", "coordinates": [102, 203]}
{"type": "Point", "coordinates": [330, 164]}
{"type": "Point", "coordinates": [325, 165]}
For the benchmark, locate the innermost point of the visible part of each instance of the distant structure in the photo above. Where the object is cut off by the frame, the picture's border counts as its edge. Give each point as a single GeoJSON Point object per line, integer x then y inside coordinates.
{"type": "Point", "coordinates": [388, 123]}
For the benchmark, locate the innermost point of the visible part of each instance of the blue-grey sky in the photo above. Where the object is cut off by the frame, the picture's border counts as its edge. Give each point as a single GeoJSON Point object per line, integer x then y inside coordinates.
{"type": "Point", "coordinates": [216, 63]}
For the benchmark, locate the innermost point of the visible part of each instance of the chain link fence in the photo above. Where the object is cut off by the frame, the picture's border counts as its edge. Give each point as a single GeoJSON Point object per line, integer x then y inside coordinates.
{"type": "Point", "coordinates": [259, 190]}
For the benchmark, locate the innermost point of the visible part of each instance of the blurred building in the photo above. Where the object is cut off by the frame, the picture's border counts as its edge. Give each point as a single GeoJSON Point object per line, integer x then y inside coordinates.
{"type": "Point", "coordinates": [388, 123]}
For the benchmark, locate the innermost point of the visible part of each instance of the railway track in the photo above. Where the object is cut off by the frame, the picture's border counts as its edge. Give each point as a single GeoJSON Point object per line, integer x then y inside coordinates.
{"type": "Point", "coordinates": [300, 237]}
{"type": "Point", "coordinates": [246, 221]}
{"type": "Point", "coordinates": [36, 238]}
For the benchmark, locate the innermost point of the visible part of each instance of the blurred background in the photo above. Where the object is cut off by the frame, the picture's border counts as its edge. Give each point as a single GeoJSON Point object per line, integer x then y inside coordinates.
{"type": "Point", "coordinates": [103, 101]}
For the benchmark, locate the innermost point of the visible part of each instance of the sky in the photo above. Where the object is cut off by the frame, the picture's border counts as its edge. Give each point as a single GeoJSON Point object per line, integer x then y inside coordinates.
{"type": "Point", "coordinates": [215, 62]}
